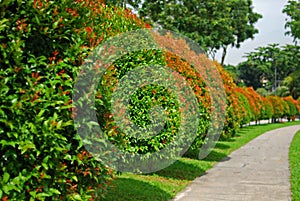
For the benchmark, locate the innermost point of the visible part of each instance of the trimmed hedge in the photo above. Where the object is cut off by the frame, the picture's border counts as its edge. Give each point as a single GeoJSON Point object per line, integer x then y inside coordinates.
{"type": "Point", "coordinates": [42, 44]}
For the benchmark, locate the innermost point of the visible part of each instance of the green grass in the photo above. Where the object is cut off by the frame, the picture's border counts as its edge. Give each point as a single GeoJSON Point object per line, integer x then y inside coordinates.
{"type": "Point", "coordinates": [166, 183]}
{"type": "Point", "coordinates": [295, 166]}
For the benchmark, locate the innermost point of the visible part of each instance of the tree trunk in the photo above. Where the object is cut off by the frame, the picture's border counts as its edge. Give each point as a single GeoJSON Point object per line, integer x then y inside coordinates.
{"type": "Point", "coordinates": [223, 55]}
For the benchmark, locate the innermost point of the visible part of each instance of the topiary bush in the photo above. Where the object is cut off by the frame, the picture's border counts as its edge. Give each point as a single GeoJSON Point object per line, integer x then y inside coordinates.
{"type": "Point", "coordinates": [233, 110]}
{"type": "Point", "coordinates": [243, 108]}
{"type": "Point", "coordinates": [278, 107]}
{"type": "Point", "coordinates": [267, 109]}
{"type": "Point", "coordinates": [150, 96]}
{"type": "Point", "coordinates": [293, 111]}
{"type": "Point", "coordinates": [42, 45]}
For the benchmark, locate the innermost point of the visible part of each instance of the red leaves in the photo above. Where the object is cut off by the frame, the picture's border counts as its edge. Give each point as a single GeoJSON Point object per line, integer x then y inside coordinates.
{"type": "Point", "coordinates": [37, 4]}
{"type": "Point", "coordinates": [21, 25]}
{"type": "Point", "coordinates": [5, 198]}
{"type": "Point", "coordinates": [73, 12]}
{"type": "Point", "coordinates": [55, 12]}
{"type": "Point", "coordinates": [55, 54]}
{"type": "Point", "coordinates": [148, 26]}
{"type": "Point", "coordinates": [88, 29]}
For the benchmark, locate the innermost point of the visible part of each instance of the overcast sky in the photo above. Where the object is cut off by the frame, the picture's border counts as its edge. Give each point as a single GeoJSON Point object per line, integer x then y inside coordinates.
{"type": "Point", "coordinates": [271, 30]}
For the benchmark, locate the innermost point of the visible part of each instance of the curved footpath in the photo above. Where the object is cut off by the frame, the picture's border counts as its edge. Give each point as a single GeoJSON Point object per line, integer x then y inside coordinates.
{"type": "Point", "coordinates": [258, 171]}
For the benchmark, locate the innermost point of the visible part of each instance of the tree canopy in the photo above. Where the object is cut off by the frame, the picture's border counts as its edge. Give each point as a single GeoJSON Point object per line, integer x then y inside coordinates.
{"type": "Point", "coordinates": [292, 9]}
{"type": "Point", "coordinates": [214, 24]}
{"type": "Point", "coordinates": [270, 63]}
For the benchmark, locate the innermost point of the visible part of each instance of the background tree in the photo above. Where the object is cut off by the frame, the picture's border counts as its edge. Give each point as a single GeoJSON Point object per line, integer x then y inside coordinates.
{"type": "Point", "coordinates": [262, 91]}
{"type": "Point", "coordinates": [250, 74]}
{"type": "Point", "coordinates": [234, 73]}
{"type": "Point", "coordinates": [290, 86]}
{"type": "Point", "coordinates": [292, 9]}
{"type": "Point", "coordinates": [124, 3]}
{"type": "Point", "coordinates": [214, 24]}
{"type": "Point", "coordinates": [269, 63]}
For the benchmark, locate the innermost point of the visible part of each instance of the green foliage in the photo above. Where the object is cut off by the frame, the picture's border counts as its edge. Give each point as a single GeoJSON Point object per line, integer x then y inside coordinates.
{"type": "Point", "coordinates": [293, 23]}
{"type": "Point", "coordinates": [167, 183]}
{"type": "Point", "coordinates": [214, 24]}
{"type": "Point", "coordinates": [292, 105]}
{"type": "Point", "coordinates": [42, 45]}
{"type": "Point", "coordinates": [267, 109]}
{"type": "Point", "coordinates": [140, 105]}
{"type": "Point", "coordinates": [262, 91]}
{"type": "Point", "coordinates": [262, 64]}
{"type": "Point", "coordinates": [245, 109]}
{"type": "Point", "coordinates": [278, 106]}
{"type": "Point", "coordinates": [290, 85]}
{"type": "Point", "coordinates": [233, 109]}
{"type": "Point", "coordinates": [148, 97]}
{"type": "Point", "coordinates": [234, 73]}
{"type": "Point", "coordinates": [295, 166]}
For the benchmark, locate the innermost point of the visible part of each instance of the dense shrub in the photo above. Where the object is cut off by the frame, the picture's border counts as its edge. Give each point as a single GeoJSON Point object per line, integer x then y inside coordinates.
{"type": "Point", "coordinates": [233, 110]}
{"type": "Point", "coordinates": [293, 110]}
{"type": "Point", "coordinates": [42, 44]}
{"type": "Point", "coordinates": [278, 106]}
{"type": "Point", "coordinates": [150, 96]}
{"type": "Point", "coordinates": [267, 109]}
{"type": "Point", "coordinates": [244, 108]}
{"type": "Point", "coordinates": [255, 101]}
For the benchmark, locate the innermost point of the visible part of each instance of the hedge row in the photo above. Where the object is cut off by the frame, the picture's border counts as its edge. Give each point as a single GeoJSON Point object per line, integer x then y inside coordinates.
{"type": "Point", "coordinates": [42, 45]}
{"type": "Point", "coordinates": [244, 105]}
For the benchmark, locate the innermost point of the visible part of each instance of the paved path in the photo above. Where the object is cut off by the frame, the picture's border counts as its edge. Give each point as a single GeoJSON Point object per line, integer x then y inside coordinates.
{"type": "Point", "coordinates": [258, 171]}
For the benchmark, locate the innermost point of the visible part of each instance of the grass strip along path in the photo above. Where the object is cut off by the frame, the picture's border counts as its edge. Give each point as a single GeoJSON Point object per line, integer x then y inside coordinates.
{"type": "Point", "coordinates": [295, 166]}
{"type": "Point", "coordinates": [166, 183]}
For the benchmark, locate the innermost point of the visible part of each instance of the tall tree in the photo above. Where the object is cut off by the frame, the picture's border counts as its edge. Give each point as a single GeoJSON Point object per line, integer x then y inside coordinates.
{"type": "Point", "coordinates": [124, 3]}
{"type": "Point", "coordinates": [290, 85]}
{"type": "Point", "coordinates": [214, 24]}
{"type": "Point", "coordinates": [271, 63]}
{"type": "Point", "coordinates": [233, 71]}
{"type": "Point", "coordinates": [250, 74]}
{"type": "Point", "coordinates": [292, 9]}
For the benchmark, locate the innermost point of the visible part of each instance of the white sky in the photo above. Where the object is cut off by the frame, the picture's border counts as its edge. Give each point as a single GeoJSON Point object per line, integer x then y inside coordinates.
{"type": "Point", "coordinates": [271, 30]}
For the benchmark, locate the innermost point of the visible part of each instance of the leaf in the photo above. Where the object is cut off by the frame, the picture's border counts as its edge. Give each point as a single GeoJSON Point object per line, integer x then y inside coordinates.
{"type": "Point", "coordinates": [54, 191]}
{"type": "Point", "coordinates": [77, 197]}
{"type": "Point", "coordinates": [75, 178]}
{"type": "Point", "coordinates": [42, 195]}
{"type": "Point", "coordinates": [5, 177]}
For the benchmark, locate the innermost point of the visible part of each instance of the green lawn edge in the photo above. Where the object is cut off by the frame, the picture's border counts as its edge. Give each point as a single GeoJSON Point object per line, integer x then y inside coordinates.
{"type": "Point", "coordinates": [165, 184]}
{"type": "Point", "coordinates": [294, 156]}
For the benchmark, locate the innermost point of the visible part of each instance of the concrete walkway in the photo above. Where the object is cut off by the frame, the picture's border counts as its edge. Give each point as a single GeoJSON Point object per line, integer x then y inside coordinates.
{"type": "Point", "coordinates": [258, 171]}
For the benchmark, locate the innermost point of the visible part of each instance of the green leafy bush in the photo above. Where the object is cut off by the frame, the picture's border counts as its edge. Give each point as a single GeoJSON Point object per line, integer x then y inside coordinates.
{"type": "Point", "coordinates": [267, 109]}
{"type": "Point", "coordinates": [42, 45]}
{"type": "Point", "coordinates": [233, 109]}
{"type": "Point", "coordinates": [150, 96]}
{"type": "Point", "coordinates": [278, 106]}
{"type": "Point", "coordinates": [292, 104]}
{"type": "Point", "coordinates": [244, 108]}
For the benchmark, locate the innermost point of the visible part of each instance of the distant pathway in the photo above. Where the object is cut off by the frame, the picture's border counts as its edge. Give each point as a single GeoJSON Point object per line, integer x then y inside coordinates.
{"type": "Point", "coordinates": [258, 171]}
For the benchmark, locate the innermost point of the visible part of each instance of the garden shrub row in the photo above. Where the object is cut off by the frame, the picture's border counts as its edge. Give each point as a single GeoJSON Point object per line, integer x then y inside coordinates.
{"type": "Point", "coordinates": [244, 105]}
{"type": "Point", "coordinates": [42, 45]}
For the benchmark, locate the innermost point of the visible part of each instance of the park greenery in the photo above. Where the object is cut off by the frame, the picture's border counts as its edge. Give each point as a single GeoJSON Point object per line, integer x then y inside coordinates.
{"type": "Point", "coordinates": [213, 24]}
{"type": "Point", "coordinates": [295, 166]}
{"type": "Point", "coordinates": [165, 184]}
{"type": "Point", "coordinates": [274, 69]}
{"type": "Point", "coordinates": [43, 43]}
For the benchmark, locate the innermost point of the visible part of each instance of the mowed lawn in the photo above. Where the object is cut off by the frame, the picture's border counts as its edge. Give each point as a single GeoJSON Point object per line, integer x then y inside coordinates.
{"type": "Point", "coordinates": [295, 167]}
{"type": "Point", "coordinates": [166, 183]}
